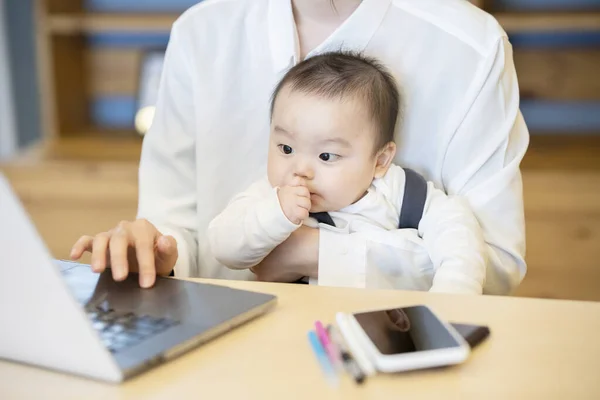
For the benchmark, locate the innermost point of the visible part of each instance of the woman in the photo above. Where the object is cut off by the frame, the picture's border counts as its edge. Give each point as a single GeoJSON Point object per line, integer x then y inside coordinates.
{"type": "Point", "coordinates": [462, 130]}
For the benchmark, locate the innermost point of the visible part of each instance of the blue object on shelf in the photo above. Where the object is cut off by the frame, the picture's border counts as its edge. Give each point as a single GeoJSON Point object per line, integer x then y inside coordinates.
{"type": "Point", "coordinates": [129, 40]}
{"type": "Point", "coordinates": [145, 6]}
{"type": "Point", "coordinates": [561, 116]}
{"type": "Point", "coordinates": [547, 5]}
{"type": "Point", "coordinates": [114, 112]}
{"type": "Point", "coordinates": [554, 40]}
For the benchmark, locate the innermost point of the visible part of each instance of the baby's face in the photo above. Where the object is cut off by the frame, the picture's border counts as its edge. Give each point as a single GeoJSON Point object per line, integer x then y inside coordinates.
{"type": "Point", "coordinates": [328, 142]}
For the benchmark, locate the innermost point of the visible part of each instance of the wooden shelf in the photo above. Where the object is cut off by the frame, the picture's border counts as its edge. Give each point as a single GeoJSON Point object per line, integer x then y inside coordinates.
{"type": "Point", "coordinates": [563, 152]}
{"type": "Point", "coordinates": [69, 24]}
{"type": "Point", "coordinates": [87, 147]}
{"type": "Point", "coordinates": [549, 22]}
{"type": "Point", "coordinates": [73, 73]}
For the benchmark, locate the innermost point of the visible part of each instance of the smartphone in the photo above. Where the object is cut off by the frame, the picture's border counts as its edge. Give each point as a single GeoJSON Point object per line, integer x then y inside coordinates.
{"type": "Point", "coordinates": [401, 339]}
{"type": "Point", "coordinates": [473, 334]}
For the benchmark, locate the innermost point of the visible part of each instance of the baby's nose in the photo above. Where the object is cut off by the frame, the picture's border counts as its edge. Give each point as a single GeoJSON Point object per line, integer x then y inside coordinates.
{"type": "Point", "coordinates": [303, 170]}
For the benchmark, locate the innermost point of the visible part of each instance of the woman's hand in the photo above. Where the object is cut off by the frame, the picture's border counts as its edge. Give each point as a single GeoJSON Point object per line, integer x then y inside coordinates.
{"type": "Point", "coordinates": [132, 246]}
{"type": "Point", "coordinates": [293, 259]}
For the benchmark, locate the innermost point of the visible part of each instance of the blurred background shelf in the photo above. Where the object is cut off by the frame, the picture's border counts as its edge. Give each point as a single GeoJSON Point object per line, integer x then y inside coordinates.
{"type": "Point", "coordinates": [549, 21]}
{"type": "Point", "coordinates": [90, 147]}
{"type": "Point", "coordinates": [68, 24]}
{"type": "Point", "coordinates": [92, 50]}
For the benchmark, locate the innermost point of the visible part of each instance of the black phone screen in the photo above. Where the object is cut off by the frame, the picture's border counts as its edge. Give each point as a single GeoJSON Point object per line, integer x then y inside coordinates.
{"type": "Point", "coordinates": [405, 330]}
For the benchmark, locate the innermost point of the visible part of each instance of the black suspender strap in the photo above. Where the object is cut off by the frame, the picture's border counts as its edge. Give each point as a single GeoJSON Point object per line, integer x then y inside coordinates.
{"type": "Point", "coordinates": [413, 201]}
{"type": "Point", "coordinates": [413, 205]}
{"type": "Point", "coordinates": [322, 218]}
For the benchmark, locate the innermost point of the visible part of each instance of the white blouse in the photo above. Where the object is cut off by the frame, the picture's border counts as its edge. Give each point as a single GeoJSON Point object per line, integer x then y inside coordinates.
{"type": "Point", "coordinates": [462, 126]}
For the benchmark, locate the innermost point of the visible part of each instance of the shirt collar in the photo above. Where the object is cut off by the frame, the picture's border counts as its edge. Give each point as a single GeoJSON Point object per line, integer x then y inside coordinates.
{"type": "Point", "coordinates": [354, 34]}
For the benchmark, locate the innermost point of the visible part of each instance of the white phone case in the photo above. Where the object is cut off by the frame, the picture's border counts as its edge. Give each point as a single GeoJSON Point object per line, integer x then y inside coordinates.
{"type": "Point", "coordinates": [371, 360]}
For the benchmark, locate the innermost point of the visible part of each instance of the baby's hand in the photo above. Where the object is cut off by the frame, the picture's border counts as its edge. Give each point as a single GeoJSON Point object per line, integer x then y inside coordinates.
{"type": "Point", "coordinates": [295, 200]}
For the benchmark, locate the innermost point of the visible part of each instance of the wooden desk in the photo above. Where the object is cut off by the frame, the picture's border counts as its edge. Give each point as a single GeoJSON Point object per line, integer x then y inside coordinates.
{"type": "Point", "coordinates": [538, 349]}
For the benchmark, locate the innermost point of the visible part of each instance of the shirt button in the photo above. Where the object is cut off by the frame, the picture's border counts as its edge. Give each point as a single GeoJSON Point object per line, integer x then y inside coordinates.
{"type": "Point", "coordinates": [344, 250]}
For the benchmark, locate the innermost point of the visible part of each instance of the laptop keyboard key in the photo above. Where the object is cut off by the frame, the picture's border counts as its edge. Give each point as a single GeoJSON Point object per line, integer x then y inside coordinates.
{"type": "Point", "coordinates": [99, 325]}
{"type": "Point", "coordinates": [145, 321]}
{"type": "Point", "coordinates": [116, 328]}
{"type": "Point", "coordinates": [119, 331]}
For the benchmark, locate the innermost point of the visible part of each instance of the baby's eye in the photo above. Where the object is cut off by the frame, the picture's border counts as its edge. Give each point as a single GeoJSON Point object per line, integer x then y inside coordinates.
{"type": "Point", "coordinates": [328, 157]}
{"type": "Point", "coordinates": [285, 149]}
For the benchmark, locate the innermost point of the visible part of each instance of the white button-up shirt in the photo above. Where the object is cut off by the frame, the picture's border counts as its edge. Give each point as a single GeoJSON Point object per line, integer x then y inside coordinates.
{"type": "Point", "coordinates": [462, 126]}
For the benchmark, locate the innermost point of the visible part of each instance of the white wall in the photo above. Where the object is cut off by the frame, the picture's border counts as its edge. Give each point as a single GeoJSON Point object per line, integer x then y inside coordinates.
{"type": "Point", "coordinates": [8, 137]}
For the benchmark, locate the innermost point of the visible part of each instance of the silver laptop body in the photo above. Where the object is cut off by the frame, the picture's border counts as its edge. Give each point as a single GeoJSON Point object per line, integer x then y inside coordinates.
{"type": "Point", "coordinates": [60, 315]}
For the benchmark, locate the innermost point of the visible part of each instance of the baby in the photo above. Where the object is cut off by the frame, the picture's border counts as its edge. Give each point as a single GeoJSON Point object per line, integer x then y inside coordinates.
{"type": "Point", "coordinates": [333, 118]}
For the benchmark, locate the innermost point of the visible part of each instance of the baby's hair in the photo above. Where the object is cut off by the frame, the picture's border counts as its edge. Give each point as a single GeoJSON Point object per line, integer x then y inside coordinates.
{"type": "Point", "coordinates": [344, 73]}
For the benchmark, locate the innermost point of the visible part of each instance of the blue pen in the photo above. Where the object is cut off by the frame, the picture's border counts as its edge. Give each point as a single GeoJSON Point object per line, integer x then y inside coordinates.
{"type": "Point", "coordinates": [322, 358]}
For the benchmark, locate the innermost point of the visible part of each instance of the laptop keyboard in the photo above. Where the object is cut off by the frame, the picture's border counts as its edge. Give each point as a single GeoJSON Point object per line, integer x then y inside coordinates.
{"type": "Point", "coordinates": [121, 330]}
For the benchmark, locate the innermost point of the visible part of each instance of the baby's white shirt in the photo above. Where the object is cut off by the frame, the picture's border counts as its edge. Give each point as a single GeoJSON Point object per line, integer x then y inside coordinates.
{"type": "Point", "coordinates": [253, 224]}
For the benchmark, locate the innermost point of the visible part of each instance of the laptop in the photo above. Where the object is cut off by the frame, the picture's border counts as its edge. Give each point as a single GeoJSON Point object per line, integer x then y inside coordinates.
{"type": "Point", "coordinates": [62, 316]}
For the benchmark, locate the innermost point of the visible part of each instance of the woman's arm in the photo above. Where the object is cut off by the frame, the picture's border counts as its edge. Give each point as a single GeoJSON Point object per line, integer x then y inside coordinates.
{"type": "Point", "coordinates": [482, 165]}
{"type": "Point", "coordinates": [167, 178]}
{"type": "Point", "coordinates": [295, 258]}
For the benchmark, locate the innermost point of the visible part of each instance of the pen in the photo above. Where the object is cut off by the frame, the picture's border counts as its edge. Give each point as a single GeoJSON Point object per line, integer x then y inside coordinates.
{"type": "Point", "coordinates": [331, 349]}
{"type": "Point", "coordinates": [322, 359]}
{"type": "Point", "coordinates": [350, 364]}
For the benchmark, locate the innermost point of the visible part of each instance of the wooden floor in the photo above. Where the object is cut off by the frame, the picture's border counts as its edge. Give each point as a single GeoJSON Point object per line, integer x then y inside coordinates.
{"type": "Point", "coordinates": [77, 187]}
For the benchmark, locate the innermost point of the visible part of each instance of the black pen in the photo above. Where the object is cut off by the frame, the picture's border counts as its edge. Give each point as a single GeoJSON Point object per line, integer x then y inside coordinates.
{"type": "Point", "coordinates": [350, 365]}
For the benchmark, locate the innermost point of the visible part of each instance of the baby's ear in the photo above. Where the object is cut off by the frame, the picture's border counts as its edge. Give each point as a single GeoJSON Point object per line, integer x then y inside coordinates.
{"type": "Point", "coordinates": [384, 158]}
